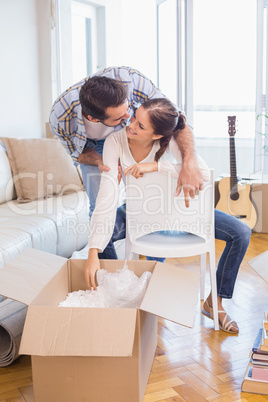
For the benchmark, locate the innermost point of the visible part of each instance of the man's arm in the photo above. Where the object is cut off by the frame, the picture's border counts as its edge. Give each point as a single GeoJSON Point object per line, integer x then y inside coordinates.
{"type": "Point", "coordinates": [190, 177]}
{"type": "Point", "coordinates": [90, 157]}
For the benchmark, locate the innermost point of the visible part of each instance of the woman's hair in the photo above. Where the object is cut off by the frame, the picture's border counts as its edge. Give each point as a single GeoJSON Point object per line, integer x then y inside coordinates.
{"type": "Point", "coordinates": [165, 120]}
{"type": "Point", "coordinates": [99, 93]}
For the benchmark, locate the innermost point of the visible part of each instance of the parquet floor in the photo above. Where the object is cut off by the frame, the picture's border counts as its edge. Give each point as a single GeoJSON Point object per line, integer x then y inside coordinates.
{"type": "Point", "coordinates": [195, 364]}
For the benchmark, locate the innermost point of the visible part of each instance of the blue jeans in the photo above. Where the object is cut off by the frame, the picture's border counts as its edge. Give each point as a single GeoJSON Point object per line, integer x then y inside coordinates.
{"type": "Point", "coordinates": [120, 229]}
{"type": "Point", "coordinates": [236, 234]}
{"type": "Point", "coordinates": [119, 233]}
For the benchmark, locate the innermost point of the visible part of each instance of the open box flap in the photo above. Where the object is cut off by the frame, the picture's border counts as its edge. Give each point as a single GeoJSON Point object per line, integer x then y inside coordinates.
{"type": "Point", "coordinates": [78, 331]}
{"type": "Point", "coordinates": [172, 294]}
{"type": "Point", "coordinates": [24, 278]}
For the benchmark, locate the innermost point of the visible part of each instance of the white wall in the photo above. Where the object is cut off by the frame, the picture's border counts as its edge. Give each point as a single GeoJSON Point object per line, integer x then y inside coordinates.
{"type": "Point", "coordinates": [25, 69]}
{"type": "Point", "coordinates": [19, 70]}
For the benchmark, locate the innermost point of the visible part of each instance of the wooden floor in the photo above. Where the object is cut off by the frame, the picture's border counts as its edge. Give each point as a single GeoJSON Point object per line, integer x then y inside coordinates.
{"type": "Point", "coordinates": [195, 364]}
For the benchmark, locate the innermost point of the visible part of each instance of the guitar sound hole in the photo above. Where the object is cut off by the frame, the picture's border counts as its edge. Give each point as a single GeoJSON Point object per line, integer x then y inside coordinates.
{"type": "Point", "coordinates": [234, 196]}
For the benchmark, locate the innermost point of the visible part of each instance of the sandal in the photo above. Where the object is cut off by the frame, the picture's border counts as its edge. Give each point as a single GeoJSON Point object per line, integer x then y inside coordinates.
{"type": "Point", "coordinates": [208, 313]}
{"type": "Point", "coordinates": [226, 325]}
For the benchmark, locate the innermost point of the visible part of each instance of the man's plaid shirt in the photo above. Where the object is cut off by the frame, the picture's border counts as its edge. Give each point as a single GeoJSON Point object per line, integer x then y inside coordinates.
{"type": "Point", "coordinates": [66, 120]}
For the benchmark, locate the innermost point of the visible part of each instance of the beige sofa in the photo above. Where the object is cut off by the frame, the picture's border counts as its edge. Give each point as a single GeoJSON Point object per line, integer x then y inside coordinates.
{"type": "Point", "coordinates": [43, 204]}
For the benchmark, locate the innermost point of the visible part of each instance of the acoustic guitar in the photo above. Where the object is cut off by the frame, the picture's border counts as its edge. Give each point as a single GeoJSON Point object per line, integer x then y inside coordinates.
{"type": "Point", "coordinates": [234, 195]}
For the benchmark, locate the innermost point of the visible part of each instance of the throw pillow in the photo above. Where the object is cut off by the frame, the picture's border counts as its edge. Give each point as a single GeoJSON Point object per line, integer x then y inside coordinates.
{"type": "Point", "coordinates": [41, 168]}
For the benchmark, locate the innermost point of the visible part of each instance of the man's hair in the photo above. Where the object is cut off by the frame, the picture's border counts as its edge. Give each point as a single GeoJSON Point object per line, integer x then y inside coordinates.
{"type": "Point", "coordinates": [99, 93]}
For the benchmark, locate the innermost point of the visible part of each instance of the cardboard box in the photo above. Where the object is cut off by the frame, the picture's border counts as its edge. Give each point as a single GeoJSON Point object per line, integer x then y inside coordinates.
{"type": "Point", "coordinates": [93, 354]}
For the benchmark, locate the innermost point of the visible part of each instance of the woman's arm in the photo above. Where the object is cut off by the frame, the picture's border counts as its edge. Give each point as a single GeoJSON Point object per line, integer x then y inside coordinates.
{"type": "Point", "coordinates": [91, 267]}
{"type": "Point", "coordinates": [166, 167]}
{"type": "Point", "coordinates": [103, 217]}
{"type": "Point", "coordinates": [139, 169]}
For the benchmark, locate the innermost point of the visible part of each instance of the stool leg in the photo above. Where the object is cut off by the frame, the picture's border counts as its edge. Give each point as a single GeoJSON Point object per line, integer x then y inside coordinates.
{"type": "Point", "coordinates": [212, 267]}
{"type": "Point", "coordinates": [203, 259]}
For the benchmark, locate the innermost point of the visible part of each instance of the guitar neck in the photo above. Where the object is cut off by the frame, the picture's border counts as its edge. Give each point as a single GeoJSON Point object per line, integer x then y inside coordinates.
{"type": "Point", "coordinates": [233, 174]}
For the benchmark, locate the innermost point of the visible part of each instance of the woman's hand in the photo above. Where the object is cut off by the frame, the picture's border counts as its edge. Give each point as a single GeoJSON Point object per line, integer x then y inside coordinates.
{"type": "Point", "coordinates": [139, 169]}
{"type": "Point", "coordinates": [91, 267]}
{"type": "Point", "coordinates": [105, 168]}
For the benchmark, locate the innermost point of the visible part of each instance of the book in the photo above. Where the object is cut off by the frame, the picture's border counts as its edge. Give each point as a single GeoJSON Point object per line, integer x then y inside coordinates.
{"type": "Point", "coordinates": [259, 356]}
{"type": "Point", "coordinates": [256, 375]}
{"type": "Point", "coordinates": [253, 385]}
{"type": "Point", "coordinates": [264, 341]}
{"type": "Point", "coordinates": [258, 345]}
{"type": "Point", "coordinates": [259, 362]}
{"type": "Point", "coordinates": [259, 373]}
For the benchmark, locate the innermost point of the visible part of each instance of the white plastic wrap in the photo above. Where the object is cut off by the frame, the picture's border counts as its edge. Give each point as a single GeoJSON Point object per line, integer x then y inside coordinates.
{"type": "Point", "coordinates": [121, 289]}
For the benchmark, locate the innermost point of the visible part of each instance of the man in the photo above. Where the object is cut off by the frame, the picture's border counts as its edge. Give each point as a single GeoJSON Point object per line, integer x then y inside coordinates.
{"type": "Point", "coordinates": [84, 115]}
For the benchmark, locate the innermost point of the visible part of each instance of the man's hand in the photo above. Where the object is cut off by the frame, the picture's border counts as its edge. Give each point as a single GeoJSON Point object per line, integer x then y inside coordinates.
{"type": "Point", "coordinates": [191, 180]}
{"type": "Point", "coordinates": [91, 267]}
{"type": "Point", "coordinates": [139, 169]}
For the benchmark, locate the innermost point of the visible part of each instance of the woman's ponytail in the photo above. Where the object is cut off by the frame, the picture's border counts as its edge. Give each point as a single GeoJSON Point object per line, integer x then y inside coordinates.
{"type": "Point", "coordinates": [181, 122]}
{"type": "Point", "coordinates": [166, 121]}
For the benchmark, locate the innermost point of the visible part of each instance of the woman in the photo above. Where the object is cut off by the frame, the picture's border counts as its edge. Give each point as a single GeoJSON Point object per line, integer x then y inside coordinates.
{"type": "Point", "coordinates": [139, 148]}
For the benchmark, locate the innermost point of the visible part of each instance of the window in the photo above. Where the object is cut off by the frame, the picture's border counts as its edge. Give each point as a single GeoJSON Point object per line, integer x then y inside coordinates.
{"type": "Point", "coordinates": [224, 66]}
{"type": "Point", "coordinates": [84, 40]}
{"type": "Point", "coordinates": [220, 47]}
{"type": "Point", "coordinates": [167, 48]}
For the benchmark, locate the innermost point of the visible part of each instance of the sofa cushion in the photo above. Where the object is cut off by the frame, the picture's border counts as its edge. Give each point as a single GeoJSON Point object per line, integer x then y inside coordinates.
{"type": "Point", "coordinates": [7, 190]}
{"type": "Point", "coordinates": [19, 233]}
{"type": "Point", "coordinates": [41, 168]}
{"type": "Point", "coordinates": [58, 225]}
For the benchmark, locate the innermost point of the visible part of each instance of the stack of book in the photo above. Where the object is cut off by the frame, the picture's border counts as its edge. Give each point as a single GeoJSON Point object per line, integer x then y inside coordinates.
{"type": "Point", "coordinates": [256, 376]}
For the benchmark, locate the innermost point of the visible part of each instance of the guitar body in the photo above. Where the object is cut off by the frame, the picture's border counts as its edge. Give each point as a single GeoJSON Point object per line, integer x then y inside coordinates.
{"type": "Point", "coordinates": [242, 208]}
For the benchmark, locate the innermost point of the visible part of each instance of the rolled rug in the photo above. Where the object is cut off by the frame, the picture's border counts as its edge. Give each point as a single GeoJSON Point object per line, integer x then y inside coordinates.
{"type": "Point", "coordinates": [12, 318]}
